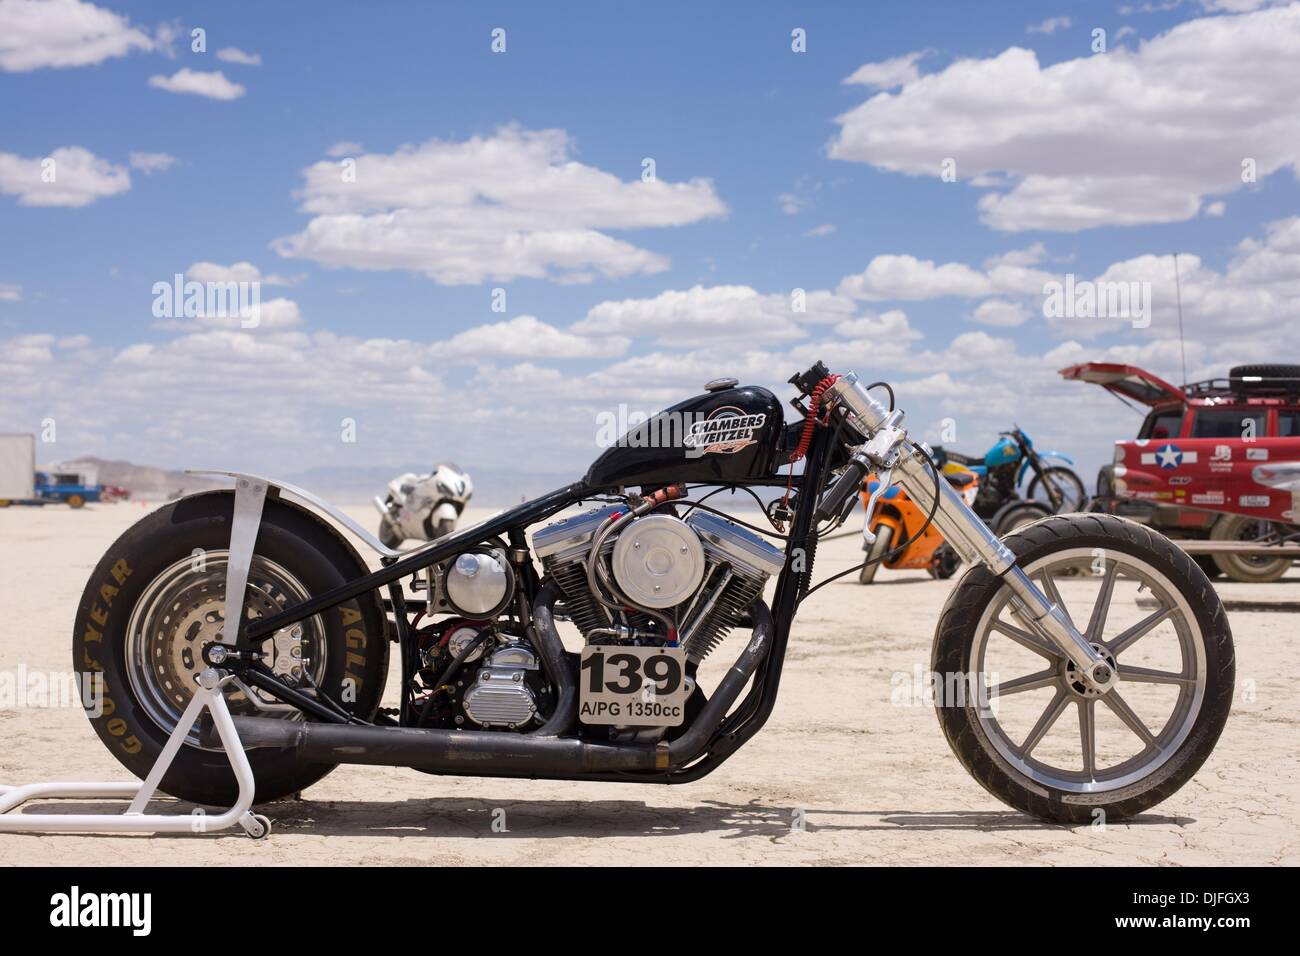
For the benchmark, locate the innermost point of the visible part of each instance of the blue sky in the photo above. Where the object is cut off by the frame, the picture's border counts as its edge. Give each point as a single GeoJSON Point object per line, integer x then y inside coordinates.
{"type": "Point", "coordinates": [767, 202]}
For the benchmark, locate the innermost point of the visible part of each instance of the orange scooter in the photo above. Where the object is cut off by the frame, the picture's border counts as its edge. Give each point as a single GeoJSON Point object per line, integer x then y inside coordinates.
{"type": "Point", "coordinates": [897, 518]}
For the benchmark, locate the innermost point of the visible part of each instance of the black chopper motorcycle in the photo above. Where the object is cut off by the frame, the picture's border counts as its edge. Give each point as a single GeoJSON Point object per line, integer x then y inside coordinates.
{"type": "Point", "coordinates": [1046, 678]}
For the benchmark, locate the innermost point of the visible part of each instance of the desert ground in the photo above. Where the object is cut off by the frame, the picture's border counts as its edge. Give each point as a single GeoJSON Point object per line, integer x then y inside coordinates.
{"type": "Point", "coordinates": [844, 773]}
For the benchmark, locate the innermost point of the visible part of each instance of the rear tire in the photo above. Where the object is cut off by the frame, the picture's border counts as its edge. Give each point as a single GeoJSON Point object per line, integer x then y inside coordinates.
{"type": "Point", "coordinates": [1240, 567]}
{"type": "Point", "coordinates": [144, 692]}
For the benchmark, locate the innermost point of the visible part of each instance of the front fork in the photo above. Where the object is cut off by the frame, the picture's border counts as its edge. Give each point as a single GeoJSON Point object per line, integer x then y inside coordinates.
{"type": "Point", "coordinates": [973, 540]}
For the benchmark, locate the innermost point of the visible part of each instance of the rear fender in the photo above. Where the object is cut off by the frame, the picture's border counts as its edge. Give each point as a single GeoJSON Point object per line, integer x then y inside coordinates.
{"type": "Point", "coordinates": [316, 505]}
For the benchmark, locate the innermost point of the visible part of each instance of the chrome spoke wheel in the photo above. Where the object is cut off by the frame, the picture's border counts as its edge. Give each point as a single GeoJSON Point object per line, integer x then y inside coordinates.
{"type": "Point", "coordinates": [181, 611]}
{"type": "Point", "coordinates": [1043, 719]}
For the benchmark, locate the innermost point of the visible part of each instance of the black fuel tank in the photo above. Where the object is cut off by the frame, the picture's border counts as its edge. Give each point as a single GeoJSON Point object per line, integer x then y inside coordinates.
{"type": "Point", "coordinates": [732, 434]}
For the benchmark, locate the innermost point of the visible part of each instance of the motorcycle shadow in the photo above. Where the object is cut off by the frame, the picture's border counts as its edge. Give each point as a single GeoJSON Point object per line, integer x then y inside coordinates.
{"type": "Point", "coordinates": [472, 818]}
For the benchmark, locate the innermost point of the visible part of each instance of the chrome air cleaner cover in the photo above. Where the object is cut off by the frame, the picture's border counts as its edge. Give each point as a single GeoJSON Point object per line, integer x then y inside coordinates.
{"type": "Point", "coordinates": [658, 561]}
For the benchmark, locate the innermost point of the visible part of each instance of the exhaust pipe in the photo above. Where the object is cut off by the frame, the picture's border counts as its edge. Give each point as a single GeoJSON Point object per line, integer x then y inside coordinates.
{"type": "Point", "coordinates": [468, 752]}
{"type": "Point", "coordinates": [559, 667]}
{"type": "Point", "coordinates": [496, 753]}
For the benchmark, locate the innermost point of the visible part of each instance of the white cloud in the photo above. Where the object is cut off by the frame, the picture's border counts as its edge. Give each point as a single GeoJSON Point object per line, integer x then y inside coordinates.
{"type": "Point", "coordinates": [63, 33]}
{"type": "Point", "coordinates": [344, 148]}
{"type": "Point", "coordinates": [1256, 298]}
{"type": "Point", "coordinates": [1216, 208]}
{"type": "Point", "coordinates": [527, 336]}
{"type": "Point", "coordinates": [791, 204]}
{"type": "Point", "coordinates": [10, 292]}
{"type": "Point", "coordinates": [825, 229]}
{"type": "Point", "coordinates": [887, 74]}
{"type": "Point", "coordinates": [889, 326]}
{"type": "Point", "coordinates": [1126, 138]}
{"type": "Point", "coordinates": [510, 205]}
{"type": "Point", "coordinates": [272, 397]}
{"type": "Point", "coordinates": [1049, 26]}
{"type": "Point", "coordinates": [237, 272]}
{"type": "Point", "coordinates": [150, 163]}
{"type": "Point", "coordinates": [273, 315]}
{"type": "Point", "coordinates": [729, 313]}
{"type": "Point", "coordinates": [70, 176]}
{"type": "Point", "coordinates": [213, 85]}
{"type": "Point", "coordinates": [233, 54]}
{"type": "Point", "coordinates": [1001, 312]}
{"type": "Point", "coordinates": [907, 278]}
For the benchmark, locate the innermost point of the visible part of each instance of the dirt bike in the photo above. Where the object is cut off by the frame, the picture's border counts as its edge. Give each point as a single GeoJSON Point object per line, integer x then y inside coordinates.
{"type": "Point", "coordinates": [1053, 489]}
{"type": "Point", "coordinates": [257, 600]}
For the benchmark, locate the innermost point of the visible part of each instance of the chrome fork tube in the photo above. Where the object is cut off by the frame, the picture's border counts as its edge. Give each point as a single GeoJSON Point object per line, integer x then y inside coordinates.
{"type": "Point", "coordinates": [971, 538]}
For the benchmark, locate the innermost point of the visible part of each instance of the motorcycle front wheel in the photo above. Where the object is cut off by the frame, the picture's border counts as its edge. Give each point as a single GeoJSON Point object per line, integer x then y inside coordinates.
{"type": "Point", "coordinates": [1016, 713]}
{"type": "Point", "coordinates": [876, 554]}
{"type": "Point", "coordinates": [1067, 485]}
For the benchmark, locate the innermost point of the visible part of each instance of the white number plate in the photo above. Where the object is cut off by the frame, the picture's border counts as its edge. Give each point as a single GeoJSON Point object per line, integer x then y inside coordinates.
{"type": "Point", "coordinates": [632, 686]}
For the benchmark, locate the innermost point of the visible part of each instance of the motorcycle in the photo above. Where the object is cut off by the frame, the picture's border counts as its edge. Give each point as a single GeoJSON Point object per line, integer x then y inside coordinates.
{"type": "Point", "coordinates": [892, 516]}
{"type": "Point", "coordinates": [1053, 489]}
{"type": "Point", "coordinates": [255, 600]}
{"type": "Point", "coordinates": [423, 507]}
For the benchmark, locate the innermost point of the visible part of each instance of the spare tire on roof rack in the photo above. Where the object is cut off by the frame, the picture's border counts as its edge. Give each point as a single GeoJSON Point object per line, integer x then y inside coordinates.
{"type": "Point", "coordinates": [1265, 378]}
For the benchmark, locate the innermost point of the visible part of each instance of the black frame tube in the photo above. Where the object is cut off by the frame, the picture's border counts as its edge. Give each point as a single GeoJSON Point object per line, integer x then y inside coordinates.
{"type": "Point", "coordinates": [566, 757]}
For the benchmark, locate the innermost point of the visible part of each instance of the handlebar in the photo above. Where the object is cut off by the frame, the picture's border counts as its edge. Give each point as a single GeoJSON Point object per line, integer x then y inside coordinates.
{"type": "Point", "coordinates": [848, 483]}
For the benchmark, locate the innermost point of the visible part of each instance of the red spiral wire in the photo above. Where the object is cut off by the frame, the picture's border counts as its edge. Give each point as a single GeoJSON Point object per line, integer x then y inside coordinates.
{"type": "Point", "coordinates": [810, 420]}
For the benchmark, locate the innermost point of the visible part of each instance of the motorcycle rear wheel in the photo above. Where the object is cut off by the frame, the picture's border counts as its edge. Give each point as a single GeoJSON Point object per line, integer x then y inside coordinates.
{"type": "Point", "coordinates": [157, 597]}
{"type": "Point", "coordinates": [1113, 760]}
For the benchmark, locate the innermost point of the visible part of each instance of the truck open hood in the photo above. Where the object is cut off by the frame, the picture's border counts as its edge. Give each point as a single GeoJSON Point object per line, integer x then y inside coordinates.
{"type": "Point", "coordinates": [1126, 381]}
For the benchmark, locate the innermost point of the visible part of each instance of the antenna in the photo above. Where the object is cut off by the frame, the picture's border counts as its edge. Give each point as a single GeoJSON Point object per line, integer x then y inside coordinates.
{"type": "Point", "coordinates": [1178, 288]}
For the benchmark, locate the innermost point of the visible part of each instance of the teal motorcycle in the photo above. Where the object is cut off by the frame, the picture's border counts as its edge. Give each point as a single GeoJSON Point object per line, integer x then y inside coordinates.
{"type": "Point", "coordinates": [1053, 487]}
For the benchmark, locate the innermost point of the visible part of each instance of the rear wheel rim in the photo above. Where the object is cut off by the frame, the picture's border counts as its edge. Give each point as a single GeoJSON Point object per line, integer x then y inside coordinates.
{"type": "Point", "coordinates": [1069, 701]}
{"type": "Point", "coordinates": [182, 610]}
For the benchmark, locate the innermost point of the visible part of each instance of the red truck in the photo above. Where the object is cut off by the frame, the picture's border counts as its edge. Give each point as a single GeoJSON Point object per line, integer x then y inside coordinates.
{"type": "Point", "coordinates": [1217, 460]}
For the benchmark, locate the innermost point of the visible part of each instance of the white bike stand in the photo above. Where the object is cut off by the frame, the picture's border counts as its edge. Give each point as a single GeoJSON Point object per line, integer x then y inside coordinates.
{"type": "Point", "coordinates": [135, 820]}
{"type": "Point", "coordinates": [249, 497]}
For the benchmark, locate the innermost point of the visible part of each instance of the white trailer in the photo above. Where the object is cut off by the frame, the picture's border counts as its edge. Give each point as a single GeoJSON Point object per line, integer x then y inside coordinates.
{"type": "Point", "coordinates": [17, 467]}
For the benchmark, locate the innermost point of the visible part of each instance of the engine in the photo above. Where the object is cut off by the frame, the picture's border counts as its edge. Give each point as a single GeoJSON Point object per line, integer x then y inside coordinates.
{"type": "Point", "coordinates": [698, 575]}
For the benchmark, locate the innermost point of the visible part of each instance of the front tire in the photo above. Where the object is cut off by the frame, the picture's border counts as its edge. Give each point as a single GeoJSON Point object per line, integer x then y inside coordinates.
{"type": "Point", "coordinates": [1068, 486]}
{"type": "Point", "coordinates": [156, 598]}
{"type": "Point", "coordinates": [876, 553]}
{"type": "Point", "coordinates": [1041, 741]}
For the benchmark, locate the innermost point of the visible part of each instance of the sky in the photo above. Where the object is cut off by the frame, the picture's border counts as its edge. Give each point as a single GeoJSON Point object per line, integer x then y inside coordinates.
{"type": "Point", "coordinates": [482, 229]}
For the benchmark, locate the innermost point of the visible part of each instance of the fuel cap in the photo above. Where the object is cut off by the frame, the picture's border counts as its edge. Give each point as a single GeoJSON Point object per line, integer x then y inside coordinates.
{"type": "Point", "coordinates": [721, 384]}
